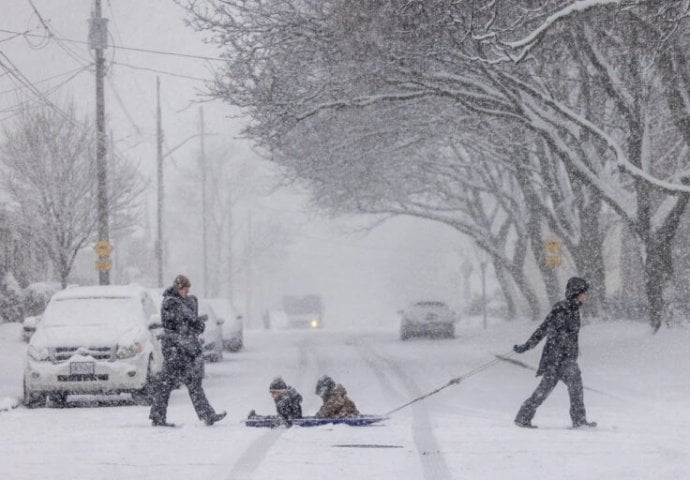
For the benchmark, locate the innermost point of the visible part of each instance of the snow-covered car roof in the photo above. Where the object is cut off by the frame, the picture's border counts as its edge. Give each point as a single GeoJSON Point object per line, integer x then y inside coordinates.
{"type": "Point", "coordinates": [101, 291]}
{"type": "Point", "coordinates": [205, 308]}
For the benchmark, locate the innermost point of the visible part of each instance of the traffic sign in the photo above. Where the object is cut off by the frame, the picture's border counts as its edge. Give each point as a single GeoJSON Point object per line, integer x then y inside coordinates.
{"type": "Point", "coordinates": [103, 265]}
{"type": "Point", "coordinates": [552, 244]}
{"type": "Point", "coordinates": [103, 248]}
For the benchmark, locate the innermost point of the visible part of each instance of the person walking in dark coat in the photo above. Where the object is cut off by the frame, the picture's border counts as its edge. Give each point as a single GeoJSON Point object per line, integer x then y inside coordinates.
{"type": "Point", "coordinates": [182, 354]}
{"type": "Point", "coordinates": [288, 401]}
{"type": "Point", "coordinates": [559, 357]}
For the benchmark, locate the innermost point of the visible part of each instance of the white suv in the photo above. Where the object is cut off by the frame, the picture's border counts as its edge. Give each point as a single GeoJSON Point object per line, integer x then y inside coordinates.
{"type": "Point", "coordinates": [99, 339]}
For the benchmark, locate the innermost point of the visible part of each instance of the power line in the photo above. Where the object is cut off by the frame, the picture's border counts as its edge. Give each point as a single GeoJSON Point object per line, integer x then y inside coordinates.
{"type": "Point", "coordinates": [74, 55]}
{"type": "Point", "coordinates": [163, 72]}
{"type": "Point", "coordinates": [122, 47]}
{"type": "Point", "coordinates": [69, 72]}
{"type": "Point", "coordinates": [21, 79]}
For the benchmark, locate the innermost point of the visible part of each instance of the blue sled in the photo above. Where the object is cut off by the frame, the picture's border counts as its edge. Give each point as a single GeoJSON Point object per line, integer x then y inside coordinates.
{"type": "Point", "coordinates": [315, 422]}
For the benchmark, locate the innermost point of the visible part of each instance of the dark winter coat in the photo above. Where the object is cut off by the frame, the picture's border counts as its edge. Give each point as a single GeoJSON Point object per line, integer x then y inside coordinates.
{"type": "Point", "coordinates": [181, 328]}
{"type": "Point", "coordinates": [561, 329]}
{"type": "Point", "coordinates": [337, 405]}
{"type": "Point", "coordinates": [288, 405]}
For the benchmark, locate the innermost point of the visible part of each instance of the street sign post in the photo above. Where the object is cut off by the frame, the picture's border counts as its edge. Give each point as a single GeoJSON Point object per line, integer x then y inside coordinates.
{"type": "Point", "coordinates": [103, 248]}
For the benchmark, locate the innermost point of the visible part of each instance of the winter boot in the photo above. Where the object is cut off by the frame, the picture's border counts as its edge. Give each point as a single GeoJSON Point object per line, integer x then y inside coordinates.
{"type": "Point", "coordinates": [161, 423]}
{"type": "Point", "coordinates": [216, 417]}
{"type": "Point", "coordinates": [585, 423]}
{"type": "Point", "coordinates": [524, 424]}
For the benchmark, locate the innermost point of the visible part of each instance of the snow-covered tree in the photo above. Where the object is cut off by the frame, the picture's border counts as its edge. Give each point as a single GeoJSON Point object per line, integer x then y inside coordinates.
{"type": "Point", "coordinates": [597, 86]}
{"type": "Point", "coordinates": [49, 172]}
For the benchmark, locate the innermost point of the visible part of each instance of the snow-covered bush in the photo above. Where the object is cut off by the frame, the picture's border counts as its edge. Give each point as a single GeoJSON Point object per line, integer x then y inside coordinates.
{"type": "Point", "coordinates": [11, 299]}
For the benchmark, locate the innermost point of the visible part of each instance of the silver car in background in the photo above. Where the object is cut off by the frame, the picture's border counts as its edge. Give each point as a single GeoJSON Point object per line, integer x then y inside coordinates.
{"type": "Point", "coordinates": [232, 327]}
{"type": "Point", "coordinates": [213, 333]}
{"type": "Point", "coordinates": [428, 318]}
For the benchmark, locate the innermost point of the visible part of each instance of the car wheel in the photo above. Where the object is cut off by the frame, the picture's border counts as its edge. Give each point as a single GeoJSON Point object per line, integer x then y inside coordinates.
{"type": "Point", "coordinates": [404, 335]}
{"type": "Point", "coordinates": [214, 357]}
{"type": "Point", "coordinates": [145, 395]}
{"type": "Point", "coordinates": [235, 346]}
{"type": "Point", "coordinates": [33, 399]}
{"type": "Point", "coordinates": [57, 399]}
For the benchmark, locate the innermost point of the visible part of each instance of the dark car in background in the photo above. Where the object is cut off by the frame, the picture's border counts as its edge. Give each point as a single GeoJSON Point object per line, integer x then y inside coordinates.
{"type": "Point", "coordinates": [427, 318]}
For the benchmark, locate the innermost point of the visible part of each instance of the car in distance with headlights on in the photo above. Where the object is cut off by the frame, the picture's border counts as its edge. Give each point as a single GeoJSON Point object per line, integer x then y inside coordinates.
{"type": "Point", "coordinates": [427, 318]}
{"type": "Point", "coordinates": [94, 340]}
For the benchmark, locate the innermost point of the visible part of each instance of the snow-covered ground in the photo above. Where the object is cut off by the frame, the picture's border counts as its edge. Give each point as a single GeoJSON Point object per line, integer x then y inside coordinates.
{"type": "Point", "coordinates": [463, 432]}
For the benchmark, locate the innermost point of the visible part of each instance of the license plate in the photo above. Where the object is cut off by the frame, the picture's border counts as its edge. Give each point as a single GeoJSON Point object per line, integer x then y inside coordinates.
{"type": "Point", "coordinates": [82, 368]}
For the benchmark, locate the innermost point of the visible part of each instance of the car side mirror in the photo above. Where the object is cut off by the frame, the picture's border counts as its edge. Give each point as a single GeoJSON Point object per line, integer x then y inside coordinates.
{"type": "Point", "coordinates": [203, 318]}
{"type": "Point", "coordinates": [155, 322]}
{"type": "Point", "coordinates": [29, 323]}
{"type": "Point", "coordinates": [220, 321]}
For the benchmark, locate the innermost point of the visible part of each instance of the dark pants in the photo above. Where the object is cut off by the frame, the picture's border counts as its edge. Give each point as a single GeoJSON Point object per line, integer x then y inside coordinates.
{"type": "Point", "coordinates": [173, 374]}
{"type": "Point", "coordinates": [570, 374]}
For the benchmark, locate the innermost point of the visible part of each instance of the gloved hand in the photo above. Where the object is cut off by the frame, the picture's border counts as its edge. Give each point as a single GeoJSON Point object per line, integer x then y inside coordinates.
{"type": "Point", "coordinates": [519, 348]}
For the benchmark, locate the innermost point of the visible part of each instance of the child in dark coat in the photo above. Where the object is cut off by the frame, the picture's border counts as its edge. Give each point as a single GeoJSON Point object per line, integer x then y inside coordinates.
{"type": "Point", "coordinates": [287, 399]}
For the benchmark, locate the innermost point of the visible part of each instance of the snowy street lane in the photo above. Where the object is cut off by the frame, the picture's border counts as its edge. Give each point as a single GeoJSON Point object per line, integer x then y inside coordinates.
{"type": "Point", "coordinates": [465, 431]}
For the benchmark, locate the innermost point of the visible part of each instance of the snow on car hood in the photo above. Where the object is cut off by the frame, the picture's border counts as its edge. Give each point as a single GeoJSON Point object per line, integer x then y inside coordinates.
{"type": "Point", "coordinates": [87, 336]}
{"type": "Point", "coordinates": [90, 322]}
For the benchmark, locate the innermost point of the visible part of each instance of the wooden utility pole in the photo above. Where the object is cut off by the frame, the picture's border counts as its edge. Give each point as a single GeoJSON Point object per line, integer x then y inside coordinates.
{"type": "Point", "coordinates": [204, 200]}
{"type": "Point", "coordinates": [231, 263]}
{"type": "Point", "coordinates": [98, 39]}
{"type": "Point", "coordinates": [159, 170]}
{"type": "Point", "coordinates": [248, 300]}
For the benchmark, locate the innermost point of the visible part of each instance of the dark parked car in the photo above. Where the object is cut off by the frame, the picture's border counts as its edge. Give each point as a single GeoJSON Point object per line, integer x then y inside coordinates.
{"type": "Point", "coordinates": [427, 318]}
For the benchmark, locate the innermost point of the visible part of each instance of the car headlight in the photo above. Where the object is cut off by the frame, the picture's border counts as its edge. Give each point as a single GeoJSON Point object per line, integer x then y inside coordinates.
{"type": "Point", "coordinates": [40, 354]}
{"type": "Point", "coordinates": [128, 351]}
{"type": "Point", "coordinates": [314, 323]}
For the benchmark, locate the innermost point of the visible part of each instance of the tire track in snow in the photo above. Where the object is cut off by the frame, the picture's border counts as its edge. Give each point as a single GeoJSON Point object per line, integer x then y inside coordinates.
{"type": "Point", "coordinates": [254, 455]}
{"type": "Point", "coordinates": [433, 463]}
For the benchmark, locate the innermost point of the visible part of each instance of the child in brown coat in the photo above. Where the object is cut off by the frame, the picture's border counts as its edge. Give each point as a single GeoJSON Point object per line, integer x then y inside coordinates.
{"type": "Point", "coordinates": [336, 403]}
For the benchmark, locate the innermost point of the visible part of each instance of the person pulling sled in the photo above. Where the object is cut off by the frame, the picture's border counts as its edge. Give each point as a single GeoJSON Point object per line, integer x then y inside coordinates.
{"type": "Point", "coordinates": [559, 357]}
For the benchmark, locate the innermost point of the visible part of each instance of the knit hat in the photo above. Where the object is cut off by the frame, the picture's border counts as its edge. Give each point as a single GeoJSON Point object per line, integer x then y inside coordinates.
{"type": "Point", "coordinates": [181, 282]}
{"type": "Point", "coordinates": [278, 384]}
{"type": "Point", "coordinates": [324, 386]}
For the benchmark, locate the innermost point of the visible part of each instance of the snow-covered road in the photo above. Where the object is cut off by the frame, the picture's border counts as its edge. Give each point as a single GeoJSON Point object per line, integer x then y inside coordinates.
{"type": "Point", "coordinates": [465, 431]}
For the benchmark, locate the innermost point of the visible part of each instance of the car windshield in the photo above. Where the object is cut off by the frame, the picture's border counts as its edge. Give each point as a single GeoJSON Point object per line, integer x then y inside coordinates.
{"type": "Point", "coordinates": [83, 312]}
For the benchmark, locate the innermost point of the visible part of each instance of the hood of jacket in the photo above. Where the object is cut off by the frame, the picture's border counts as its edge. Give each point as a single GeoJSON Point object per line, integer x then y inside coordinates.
{"type": "Point", "coordinates": [171, 292]}
{"type": "Point", "coordinates": [575, 286]}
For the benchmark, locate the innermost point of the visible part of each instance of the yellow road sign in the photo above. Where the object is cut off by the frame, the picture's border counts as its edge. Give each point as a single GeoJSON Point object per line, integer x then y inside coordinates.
{"type": "Point", "coordinates": [103, 248]}
{"type": "Point", "coordinates": [552, 260]}
{"type": "Point", "coordinates": [552, 245]}
{"type": "Point", "coordinates": [103, 265]}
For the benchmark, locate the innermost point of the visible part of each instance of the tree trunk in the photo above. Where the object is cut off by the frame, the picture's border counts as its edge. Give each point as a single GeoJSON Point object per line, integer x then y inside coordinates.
{"type": "Point", "coordinates": [588, 255]}
{"type": "Point", "coordinates": [507, 289]}
{"type": "Point", "coordinates": [655, 278]}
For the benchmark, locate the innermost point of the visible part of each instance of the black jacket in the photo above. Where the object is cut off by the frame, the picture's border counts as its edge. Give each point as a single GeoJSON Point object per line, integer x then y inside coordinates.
{"type": "Point", "coordinates": [181, 327]}
{"type": "Point", "coordinates": [288, 405]}
{"type": "Point", "coordinates": [561, 329]}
